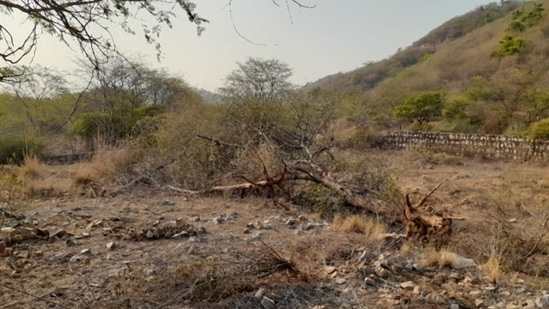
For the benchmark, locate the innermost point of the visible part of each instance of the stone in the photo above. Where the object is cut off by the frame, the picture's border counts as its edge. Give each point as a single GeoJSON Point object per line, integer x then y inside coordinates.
{"type": "Point", "coordinates": [479, 302]}
{"type": "Point", "coordinates": [416, 290]}
{"type": "Point", "coordinates": [329, 269]}
{"type": "Point", "coordinates": [149, 234]}
{"type": "Point", "coordinates": [544, 302]}
{"type": "Point", "coordinates": [260, 293]}
{"type": "Point", "coordinates": [454, 306]}
{"type": "Point", "coordinates": [79, 258]}
{"type": "Point", "coordinates": [459, 262]}
{"type": "Point", "coordinates": [292, 223]}
{"type": "Point", "coordinates": [71, 242]}
{"type": "Point", "coordinates": [267, 303]}
{"type": "Point", "coordinates": [111, 245]}
{"type": "Point", "coordinates": [59, 257]}
{"type": "Point", "coordinates": [408, 285]}
{"type": "Point", "coordinates": [340, 280]}
{"type": "Point", "coordinates": [85, 251]}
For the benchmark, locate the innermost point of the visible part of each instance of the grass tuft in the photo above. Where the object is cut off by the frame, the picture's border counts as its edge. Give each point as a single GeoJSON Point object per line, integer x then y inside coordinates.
{"type": "Point", "coordinates": [359, 224]}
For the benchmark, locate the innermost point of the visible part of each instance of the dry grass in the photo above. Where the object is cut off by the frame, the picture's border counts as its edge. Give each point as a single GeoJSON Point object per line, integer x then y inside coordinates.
{"type": "Point", "coordinates": [32, 167]}
{"type": "Point", "coordinates": [441, 258]}
{"type": "Point", "coordinates": [106, 164]}
{"type": "Point", "coordinates": [359, 224]}
{"type": "Point", "coordinates": [492, 268]}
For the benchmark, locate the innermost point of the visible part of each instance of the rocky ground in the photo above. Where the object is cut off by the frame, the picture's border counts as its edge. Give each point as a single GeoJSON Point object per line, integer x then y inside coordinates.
{"type": "Point", "coordinates": [148, 249]}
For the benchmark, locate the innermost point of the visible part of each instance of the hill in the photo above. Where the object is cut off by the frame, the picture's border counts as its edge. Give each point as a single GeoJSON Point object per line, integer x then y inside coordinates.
{"type": "Point", "coordinates": [489, 67]}
{"type": "Point", "coordinates": [371, 74]}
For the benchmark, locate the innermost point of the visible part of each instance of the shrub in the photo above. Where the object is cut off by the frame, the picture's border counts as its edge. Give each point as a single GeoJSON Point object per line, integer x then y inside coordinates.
{"type": "Point", "coordinates": [540, 129]}
{"type": "Point", "coordinates": [13, 148]}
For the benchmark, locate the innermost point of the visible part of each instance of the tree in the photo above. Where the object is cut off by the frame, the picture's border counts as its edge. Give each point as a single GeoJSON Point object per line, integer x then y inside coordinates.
{"type": "Point", "coordinates": [125, 93]}
{"type": "Point", "coordinates": [87, 22]}
{"type": "Point", "coordinates": [260, 80]}
{"type": "Point", "coordinates": [256, 94]}
{"type": "Point", "coordinates": [421, 107]}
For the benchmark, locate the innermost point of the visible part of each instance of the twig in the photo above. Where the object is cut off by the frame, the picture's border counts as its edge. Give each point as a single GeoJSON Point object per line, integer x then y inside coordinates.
{"type": "Point", "coordinates": [218, 142]}
{"type": "Point", "coordinates": [43, 297]}
{"type": "Point", "coordinates": [542, 234]}
{"type": "Point", "coordinates": [424, 199]}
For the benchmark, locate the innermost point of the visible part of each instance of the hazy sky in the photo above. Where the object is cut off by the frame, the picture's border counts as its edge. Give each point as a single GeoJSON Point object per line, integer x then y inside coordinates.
{"type": "Point", "coordinates": [336, 36]}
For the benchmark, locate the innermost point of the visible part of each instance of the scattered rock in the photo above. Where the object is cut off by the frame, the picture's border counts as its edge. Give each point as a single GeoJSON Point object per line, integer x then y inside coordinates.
{"type": "Point", "coordinates": [168, 203]}
{"type": "Point", "coordinates": [454, 306]}
{"type": "Point", "coordinates": [85, 251]}
{"type": "Point", "coordinates": [111, 245]}
{"type": "Point", "coordinates": [479, 302]}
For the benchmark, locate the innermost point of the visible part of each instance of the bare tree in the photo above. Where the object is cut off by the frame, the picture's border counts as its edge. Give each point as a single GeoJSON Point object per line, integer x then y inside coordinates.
{"type": "Point", "coordinates": [87, 22]}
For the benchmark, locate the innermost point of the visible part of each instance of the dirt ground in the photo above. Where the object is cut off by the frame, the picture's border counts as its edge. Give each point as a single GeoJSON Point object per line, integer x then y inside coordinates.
{"type": "Point", "coordinates": [154, 248]}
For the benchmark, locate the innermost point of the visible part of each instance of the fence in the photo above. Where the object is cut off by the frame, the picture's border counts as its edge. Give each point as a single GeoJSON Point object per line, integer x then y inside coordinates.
{"type": "Point", "coordinates": [484, 145]}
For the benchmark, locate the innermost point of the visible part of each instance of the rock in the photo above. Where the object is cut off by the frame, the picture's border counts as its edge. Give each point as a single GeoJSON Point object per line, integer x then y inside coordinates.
{"type": "Point", "coordinates": [454, 306]}
{"type": "Point", "coordinates": [479, 302]}
{"type": "Point", "coordinates": [56, 232]}
{"type": "Point", "coordinates": [149, 234]}
{"type": "Point", "coordinates": [168, 203]}
{"type": "Point", "coordinates": [85, 251]}
{"type": "Point", "coordinates": [59, 257]}
{"type": "Point", "coordinates": [340, 280]}
{"type": "Point", "coordinates": [416, 290]}
{"type": "Point", "coordinates": [111, 245]}
{"type": "Point", "coordinates": [408, 285]}
{"type": "Point", "coordinates": [218, 220]}
{"type": "Point", "coordinates": [329, 269]}
{"type": "Point", "coordinates": [2, 248]}
{"type": "Point", "coordinates": [544, 302]}
{"type": "Point", "coordinates": [260, 293]}
{"type": "Point", "coordinates": [71, 242]}
{"type": "Point", "coordinates": [459, 262]}
{"type": "Point", "coordinates": [292, 223]}
{"type": "Point", "coordinates": [490, 288]}
{"type": "Point", "coordinates": [78, 258]}
{"type": "Point", "coordinates": [267, 303]}
{"type": "Point", "coordinates": [303, 219]}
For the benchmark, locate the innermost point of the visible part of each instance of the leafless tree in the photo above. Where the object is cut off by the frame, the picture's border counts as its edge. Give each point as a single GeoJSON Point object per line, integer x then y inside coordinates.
{"type": "Point", "coordinates": [86, 23]}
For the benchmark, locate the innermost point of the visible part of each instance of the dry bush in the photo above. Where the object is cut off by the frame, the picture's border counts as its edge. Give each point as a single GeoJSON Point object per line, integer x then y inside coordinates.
{"type": "Point", "coordinates": [32, 167]}
{"type": "Point", "coordinates": [359, 224]}
{"type": "Point", "coordinates": [107, 164]}
{"type": "Point", "coordinates": [12, 187]}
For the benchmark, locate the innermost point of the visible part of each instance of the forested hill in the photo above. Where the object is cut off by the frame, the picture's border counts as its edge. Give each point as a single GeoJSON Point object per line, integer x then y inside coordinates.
{"type": "Point", "coordinates": [371, 74]}
{"type": "Point", "coordinates": [484, 72]}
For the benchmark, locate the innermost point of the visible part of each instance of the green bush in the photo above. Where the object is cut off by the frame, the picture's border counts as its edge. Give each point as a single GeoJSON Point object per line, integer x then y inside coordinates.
{"type": "Point", "coordinates": [540, 129]}
{"type": "Point", "coordinates": [13, 148]}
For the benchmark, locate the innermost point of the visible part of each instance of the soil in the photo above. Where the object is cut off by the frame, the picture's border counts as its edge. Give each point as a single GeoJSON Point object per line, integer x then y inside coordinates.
{"type": "Point", "coordinates": [154, 248]}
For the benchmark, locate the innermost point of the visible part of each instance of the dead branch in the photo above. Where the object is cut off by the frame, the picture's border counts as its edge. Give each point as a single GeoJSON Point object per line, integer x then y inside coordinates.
{"type": "Point", "coordinates": [542, 234]}
{"type": "Point", "coordinates": [218, 142]}
{"type": "Point", "coordinates": [44, 297]}
{"type": "Point", "coordinates": [424, 199]}
{"type": "Point", "coordinates": [426, 227]}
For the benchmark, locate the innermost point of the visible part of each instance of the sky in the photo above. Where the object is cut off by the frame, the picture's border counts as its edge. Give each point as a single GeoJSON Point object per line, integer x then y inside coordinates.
{"type": "Point", "coordinates": [333, 37]}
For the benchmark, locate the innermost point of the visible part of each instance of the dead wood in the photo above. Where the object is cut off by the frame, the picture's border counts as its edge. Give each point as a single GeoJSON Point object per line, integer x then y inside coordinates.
{"type": "Point", "coordinates": [425, 227]}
